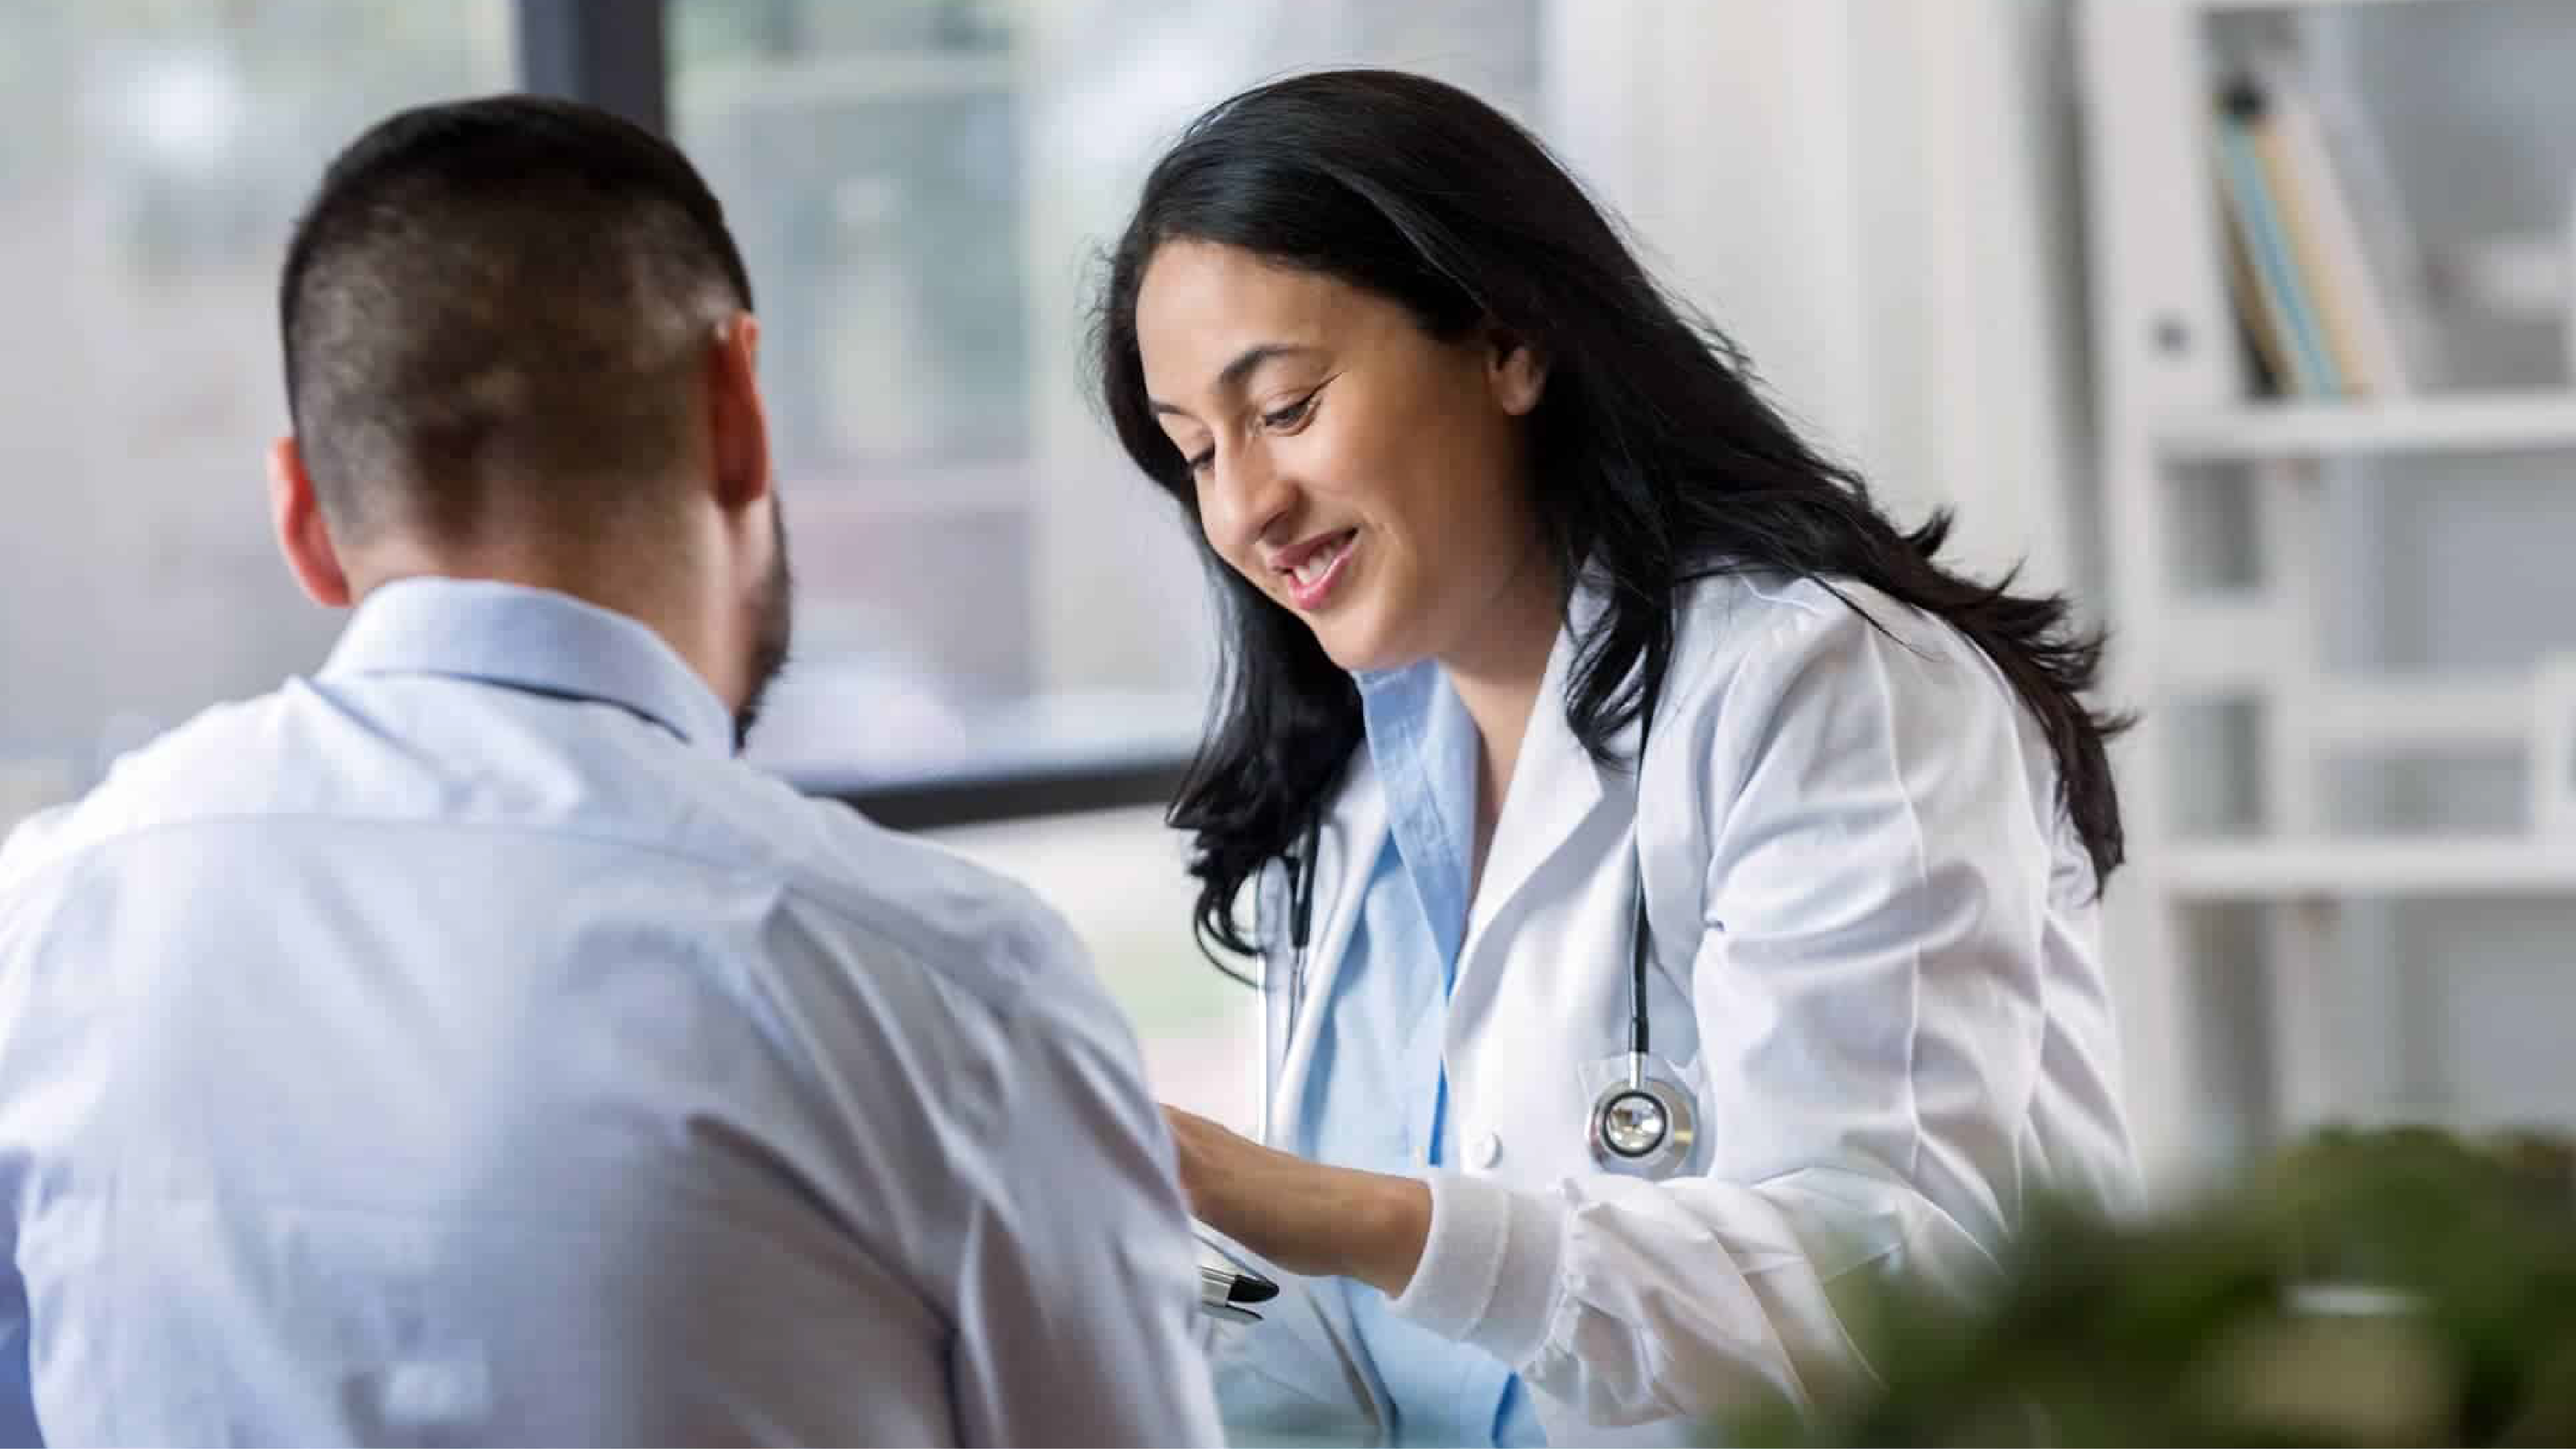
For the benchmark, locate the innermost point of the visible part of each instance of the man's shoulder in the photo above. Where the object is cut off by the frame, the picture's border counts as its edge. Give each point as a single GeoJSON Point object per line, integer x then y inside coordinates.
{"type": "Point", "coordinates": [341, 761]}
{"type": "Point", "coordinates": [156, 784]}
{"type": "Point", "coordinates": [877, 898]}
{"type": "Point", "coordinates": [983, 932]}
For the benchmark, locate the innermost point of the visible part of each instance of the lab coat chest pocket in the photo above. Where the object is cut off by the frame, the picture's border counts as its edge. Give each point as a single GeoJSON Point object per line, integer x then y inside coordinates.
{"type": "Point", "coordinates": [1528, 1059]}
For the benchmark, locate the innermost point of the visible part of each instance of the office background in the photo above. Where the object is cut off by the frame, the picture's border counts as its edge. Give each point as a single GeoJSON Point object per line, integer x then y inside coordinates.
{"type": "Point", "coordinates": [1972, 244]}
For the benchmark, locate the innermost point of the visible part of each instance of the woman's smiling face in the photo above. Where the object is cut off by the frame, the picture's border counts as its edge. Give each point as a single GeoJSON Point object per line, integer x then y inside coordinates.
{"type": "Point", "coordinates": [1361, 472]}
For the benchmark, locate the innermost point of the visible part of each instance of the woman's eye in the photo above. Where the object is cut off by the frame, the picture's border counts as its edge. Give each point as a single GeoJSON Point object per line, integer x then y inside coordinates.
{"type": "Point", "coordinates": [1202, 460]}
{"type": "Point", "coordinates": [1293, 414]}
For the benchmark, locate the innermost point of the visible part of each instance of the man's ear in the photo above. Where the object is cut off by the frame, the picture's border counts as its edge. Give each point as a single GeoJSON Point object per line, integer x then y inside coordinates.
{"type": "Point", "coordinates": [295, 516]}
{"type": "Point", "coordinates": [737, 424]}
{"type": "Point", "coordinates": [1516, 370]}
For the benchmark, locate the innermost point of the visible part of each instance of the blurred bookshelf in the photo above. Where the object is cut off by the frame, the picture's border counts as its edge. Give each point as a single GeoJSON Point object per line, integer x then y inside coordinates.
{"type": "Point", "coordinates": [2331, 302]}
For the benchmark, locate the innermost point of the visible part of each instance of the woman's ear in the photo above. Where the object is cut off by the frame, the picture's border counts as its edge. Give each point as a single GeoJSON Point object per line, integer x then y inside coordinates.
{"type": "Point", "coordinates": [1515, 369]}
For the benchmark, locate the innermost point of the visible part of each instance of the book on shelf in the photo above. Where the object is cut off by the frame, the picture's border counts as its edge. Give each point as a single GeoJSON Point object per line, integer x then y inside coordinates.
{"type": "Point", "coordinates": [2318, 265]}
{"type": "Point", "coordinates": [2269, 301]}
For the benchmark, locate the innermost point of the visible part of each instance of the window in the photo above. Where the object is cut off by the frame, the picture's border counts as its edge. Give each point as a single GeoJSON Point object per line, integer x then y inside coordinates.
{"type": "Point", "coordinates": [984, 594]}
{"type": "Point", "coordinates": [988, 596]}
{"type": "Point", "coordinates": [152, 158]}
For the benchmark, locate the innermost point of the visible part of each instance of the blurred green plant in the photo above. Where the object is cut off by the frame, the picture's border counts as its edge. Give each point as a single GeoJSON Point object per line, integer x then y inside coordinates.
{"type": "Point", "coordinates": [2392, 1287]}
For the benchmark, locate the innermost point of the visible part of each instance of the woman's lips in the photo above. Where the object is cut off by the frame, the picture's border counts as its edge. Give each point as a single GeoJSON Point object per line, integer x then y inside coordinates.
{"type": "Point", "coordinates": [1312, 582]}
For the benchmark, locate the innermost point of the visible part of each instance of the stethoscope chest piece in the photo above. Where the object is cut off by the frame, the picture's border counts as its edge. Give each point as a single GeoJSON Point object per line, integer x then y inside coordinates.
{"type": "Point", "coordinates": [1644, 1124]}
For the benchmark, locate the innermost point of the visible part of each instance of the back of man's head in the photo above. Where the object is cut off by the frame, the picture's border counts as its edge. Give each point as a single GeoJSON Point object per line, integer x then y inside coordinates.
{"type": "Point", "coordinates": [494, 314]}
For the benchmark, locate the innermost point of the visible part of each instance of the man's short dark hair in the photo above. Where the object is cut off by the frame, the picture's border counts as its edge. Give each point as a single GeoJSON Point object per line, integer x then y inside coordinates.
{"type": "Point", "coordinates": [504, 293]}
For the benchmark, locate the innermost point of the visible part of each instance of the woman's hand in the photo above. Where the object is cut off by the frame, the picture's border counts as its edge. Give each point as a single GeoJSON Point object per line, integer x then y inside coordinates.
{"type": "Point", "coordinates": [1307, 1218]}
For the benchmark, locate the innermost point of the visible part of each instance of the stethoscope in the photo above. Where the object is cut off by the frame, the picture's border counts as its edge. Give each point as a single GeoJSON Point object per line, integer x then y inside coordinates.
{"type": "Point", "coordinates": [1643, 1124]}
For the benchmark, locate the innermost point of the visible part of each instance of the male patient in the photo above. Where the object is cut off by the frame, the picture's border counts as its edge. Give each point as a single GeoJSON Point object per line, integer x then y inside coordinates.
{"type": "Point", "coordinates": [460, 1044]}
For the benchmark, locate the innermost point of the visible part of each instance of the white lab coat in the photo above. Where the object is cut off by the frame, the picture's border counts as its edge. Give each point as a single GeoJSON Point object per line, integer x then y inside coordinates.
{"type": "Point", "coordinates": [1875, 956]}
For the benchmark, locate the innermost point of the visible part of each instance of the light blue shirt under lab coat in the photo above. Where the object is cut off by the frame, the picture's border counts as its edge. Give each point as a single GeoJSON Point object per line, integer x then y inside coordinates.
{"type": "Point", "coordinates": [1378, 1093]}
{"type": "Point", "coordinates": [460, 1046]}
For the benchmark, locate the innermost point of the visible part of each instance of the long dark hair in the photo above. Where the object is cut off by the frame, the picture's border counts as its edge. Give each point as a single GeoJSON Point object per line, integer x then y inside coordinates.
{"type": "Point", "coordinates": [1654, 459]}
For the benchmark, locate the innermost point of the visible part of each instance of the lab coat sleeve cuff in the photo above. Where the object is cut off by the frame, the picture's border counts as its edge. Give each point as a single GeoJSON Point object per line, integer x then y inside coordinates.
{"type": "Point", "coordinates": [1489, 1269]}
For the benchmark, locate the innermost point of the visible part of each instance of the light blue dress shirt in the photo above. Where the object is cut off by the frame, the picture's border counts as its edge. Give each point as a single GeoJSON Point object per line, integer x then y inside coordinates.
{"type": "Point", "coordinates": [1378, 1091]}
{"type": "Point", "coordinates": [460, 1046]}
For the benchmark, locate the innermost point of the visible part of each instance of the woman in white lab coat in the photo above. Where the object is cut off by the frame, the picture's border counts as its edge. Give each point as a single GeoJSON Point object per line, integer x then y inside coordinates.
{"type": "Point", "coordinates": [1555, 660]}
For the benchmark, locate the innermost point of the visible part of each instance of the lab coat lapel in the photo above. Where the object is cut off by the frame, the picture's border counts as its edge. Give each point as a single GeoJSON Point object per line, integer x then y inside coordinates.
{"type": "Point", "coordinates": [1555, 788]}
{"type": "Point", "coordinates": [1354, 835]}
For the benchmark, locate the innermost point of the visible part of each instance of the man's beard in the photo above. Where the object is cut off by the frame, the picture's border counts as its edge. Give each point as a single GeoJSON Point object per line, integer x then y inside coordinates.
{"type": "Point", "coordinates": [773, 625]}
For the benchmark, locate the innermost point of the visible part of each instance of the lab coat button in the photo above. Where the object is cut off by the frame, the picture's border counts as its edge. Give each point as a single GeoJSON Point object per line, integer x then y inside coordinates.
{"type": "Point", "coordinates": [1485, 1151]}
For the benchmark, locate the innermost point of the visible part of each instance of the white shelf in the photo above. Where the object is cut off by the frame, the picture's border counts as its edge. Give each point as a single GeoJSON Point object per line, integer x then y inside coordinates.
{"type": "Point", "coordinates": [2425, 710]}
{"type": "Point", "coordinates": [2272, 869]}
{"type": "Point", "coordinates": [2224, 650]}
{"type": "Point", "coordinates": [2294, 5]}
{"type": "Point", "coordinates": [2468, 423]}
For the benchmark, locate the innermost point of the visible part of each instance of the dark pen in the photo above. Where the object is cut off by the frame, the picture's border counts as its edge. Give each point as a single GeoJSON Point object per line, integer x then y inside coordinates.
{"type": "Point", "coordinates": [1224, 1290]}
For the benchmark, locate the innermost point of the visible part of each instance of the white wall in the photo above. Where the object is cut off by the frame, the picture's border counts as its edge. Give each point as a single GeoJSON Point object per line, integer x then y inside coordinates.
{"type": "Point", "coordinates": [1874, 197]}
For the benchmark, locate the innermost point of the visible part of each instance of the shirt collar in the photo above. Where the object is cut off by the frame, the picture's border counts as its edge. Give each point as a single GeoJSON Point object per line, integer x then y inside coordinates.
{"type": "Point", "coordinates": [1423, 747]}
{"type": "Point", "coordinates": [535, 640]}
{"type": "Point", "coordinates": [1405, 702]}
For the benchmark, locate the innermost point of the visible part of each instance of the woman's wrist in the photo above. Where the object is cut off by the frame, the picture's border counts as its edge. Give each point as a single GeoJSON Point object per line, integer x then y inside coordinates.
{"type": "Point", "coordinates": [1392, 1216]}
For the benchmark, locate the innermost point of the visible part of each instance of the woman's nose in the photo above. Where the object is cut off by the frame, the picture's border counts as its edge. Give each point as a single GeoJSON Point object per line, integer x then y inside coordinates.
{"type": "Point", "coordinates": [1250, 495]}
